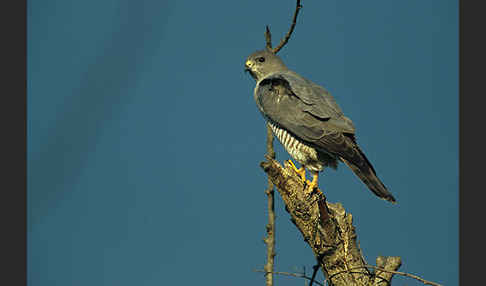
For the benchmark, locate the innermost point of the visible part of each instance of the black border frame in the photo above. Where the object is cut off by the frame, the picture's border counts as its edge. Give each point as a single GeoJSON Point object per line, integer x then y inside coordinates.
{"type": "Point", "coordinates": [471, 143]}
{"type": "Point", "coordinates": [13, 209]}
{"type": "Point", "coordinates": [13, 233]}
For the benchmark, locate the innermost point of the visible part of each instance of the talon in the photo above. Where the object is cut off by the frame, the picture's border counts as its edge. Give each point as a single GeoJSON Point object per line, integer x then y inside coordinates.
{"type": "Point", "coordinates": [313, 184]}
{"type": "Point", "coordinates": [300, 171]}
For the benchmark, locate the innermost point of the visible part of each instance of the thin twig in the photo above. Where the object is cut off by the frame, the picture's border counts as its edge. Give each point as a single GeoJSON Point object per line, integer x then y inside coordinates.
{"type": "Point", "coordinates": [270, 239]}
{"type": "Point", "coordinates": [268, 39]}
{"type": "Point", "coordinates": [316, 267]}
{"type": "Point", "coordinates": [426, 282]}
{"type": "Point", "coordinates": [298, 275]}
{"type": "Point", "coordinates": [270, 151]}
{"type": "Point", "coordinates": [284, 41]}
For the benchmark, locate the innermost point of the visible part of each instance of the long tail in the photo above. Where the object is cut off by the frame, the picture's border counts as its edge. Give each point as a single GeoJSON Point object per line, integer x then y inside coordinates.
{"type": "Point", "coordinates": [367, 174]}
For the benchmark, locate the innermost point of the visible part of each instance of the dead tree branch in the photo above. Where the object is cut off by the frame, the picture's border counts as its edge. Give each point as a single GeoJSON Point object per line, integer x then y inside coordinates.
{"type": "Point", "coordinates": [270, 239]}
{"type": "Point", "coordinates": [314, 272]}
{"type": "Point", "coordinates": [381, 275]}
{"type": "Point", "coordinates": [385, 268]}
{"type": "Point", "coordinates": [379, 269]}
{"type": "Point", "coordinates": [328, 229]}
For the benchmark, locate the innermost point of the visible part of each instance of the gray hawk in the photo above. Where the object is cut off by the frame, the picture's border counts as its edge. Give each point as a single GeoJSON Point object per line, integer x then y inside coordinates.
{"type": "Point", "coordinates": [307, 121]}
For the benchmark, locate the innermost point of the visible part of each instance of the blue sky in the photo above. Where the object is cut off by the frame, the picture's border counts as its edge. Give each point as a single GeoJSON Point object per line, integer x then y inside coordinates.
{"type": "Point", "coordinates": [144, 141]}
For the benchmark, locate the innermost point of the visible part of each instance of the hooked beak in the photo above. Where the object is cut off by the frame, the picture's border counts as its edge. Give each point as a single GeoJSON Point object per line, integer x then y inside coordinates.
{"type": "Point", "coordinates": [248, 65]}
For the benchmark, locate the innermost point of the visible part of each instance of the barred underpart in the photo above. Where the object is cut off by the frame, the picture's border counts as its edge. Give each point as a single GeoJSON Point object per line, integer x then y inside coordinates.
{"type": "Point", "coordinates": [301, 152]}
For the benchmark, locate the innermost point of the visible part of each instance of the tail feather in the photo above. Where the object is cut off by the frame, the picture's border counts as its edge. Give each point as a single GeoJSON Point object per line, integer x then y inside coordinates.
{"type": "Point", "coordinates": [367, 174]}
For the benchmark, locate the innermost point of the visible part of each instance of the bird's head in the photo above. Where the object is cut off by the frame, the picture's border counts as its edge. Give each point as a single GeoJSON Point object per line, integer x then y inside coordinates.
{"type": "Point", "coordinates": [261, 63]}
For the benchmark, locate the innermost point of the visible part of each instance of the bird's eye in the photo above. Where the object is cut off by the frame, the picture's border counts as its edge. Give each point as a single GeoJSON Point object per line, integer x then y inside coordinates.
{"type": "Point", "coordinates": [261, 59]}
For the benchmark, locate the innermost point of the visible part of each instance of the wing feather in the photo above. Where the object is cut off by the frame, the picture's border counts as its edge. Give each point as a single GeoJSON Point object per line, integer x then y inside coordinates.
{"type": "Point", "coordinates": [304, 110]}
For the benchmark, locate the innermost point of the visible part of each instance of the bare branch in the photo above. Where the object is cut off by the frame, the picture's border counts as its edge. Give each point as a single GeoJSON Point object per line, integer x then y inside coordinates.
{"type": "Point", "coordinates": [426, 282]}
{"type": "Point", "coordinates": [298, 275]}
{"type": "Point", "coordinates": [270, 151]}
{"type": "Point", "coordinates": [283, 42]}
{"type": "Point", "coordinates": [268, 39]}
{"type": "Point", "coordinates": [270, 239]}
{"type": "Point", "coordinates": [315, 267]}
{"type": "Point", "coordinates": [391, 263]}
{"type": "Point", "coordinates": [329, 231]}
{"type": "Point", "coordinates": [331, 238]}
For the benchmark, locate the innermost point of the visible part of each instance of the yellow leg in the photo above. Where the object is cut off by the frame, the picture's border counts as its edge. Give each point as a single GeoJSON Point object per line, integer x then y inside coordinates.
{"type": "Point", "coordinates": [300, 171]}
{"type": "Point", "coordinates": [313, 184]}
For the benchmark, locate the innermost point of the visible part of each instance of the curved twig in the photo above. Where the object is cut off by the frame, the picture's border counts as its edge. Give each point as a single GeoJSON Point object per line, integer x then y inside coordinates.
{"type": "Point", "coordinates": [291, 29]}
{"type": "Point", "coordinates": [283, 42]}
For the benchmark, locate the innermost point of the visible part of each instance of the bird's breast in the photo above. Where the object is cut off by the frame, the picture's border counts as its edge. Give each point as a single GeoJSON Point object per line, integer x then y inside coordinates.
{"type": "Point", "coordinates": [301, 152]}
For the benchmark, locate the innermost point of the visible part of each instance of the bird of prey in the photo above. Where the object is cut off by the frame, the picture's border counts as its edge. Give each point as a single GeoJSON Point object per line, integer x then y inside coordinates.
{"type": "Point", "coordinates": [307, 121]}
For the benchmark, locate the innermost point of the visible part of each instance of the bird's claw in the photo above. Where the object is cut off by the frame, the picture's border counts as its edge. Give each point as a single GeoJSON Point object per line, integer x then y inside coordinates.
{"type": "Point", "coordinates": [312, 185]}
{"type": "Point", "coordinates": [300, 171]}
